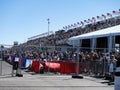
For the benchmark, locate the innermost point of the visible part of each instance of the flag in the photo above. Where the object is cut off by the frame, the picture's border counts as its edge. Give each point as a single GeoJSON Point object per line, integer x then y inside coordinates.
{"type": "Point", "coordinates": [71, 25]}
{"type": "Point", "coordinates": [86, 21]}
{"type": "Point", "coordinates": [89, 20]}
{"type": "Point", "coordinates": [109, 14]}
{"type": "Point", "coordinates": [75, 24]}
{"type": "Point", "coordinates": [66, 27]}
{"type": "Point", "coordinates": [94, 19]}
{"type": "Point", "coordinates": [82, 23]}
{"type": "Point", "coordinates": [103, 16]}
{"type": "Point", "coordinates": [98, 17]}
{"type": "Point", "coordinates": [63, 27]}
{"type": "Point", "coordinates": [116, 12]}
{"type": "Point", "coordinates": [78, 23]}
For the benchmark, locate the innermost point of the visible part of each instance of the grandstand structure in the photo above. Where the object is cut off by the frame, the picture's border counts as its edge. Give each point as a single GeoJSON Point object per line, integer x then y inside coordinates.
{"type": "Point", "coordinates": [64, 36]}
{"type": "Point", "coordinates": [84, 45]}
{"type": "Point", "coordinates": [40, 35]}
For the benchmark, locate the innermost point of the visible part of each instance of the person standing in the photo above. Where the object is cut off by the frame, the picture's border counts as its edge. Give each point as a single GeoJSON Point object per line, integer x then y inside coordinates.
{"type": "Point", "coordinates": [112, 67]}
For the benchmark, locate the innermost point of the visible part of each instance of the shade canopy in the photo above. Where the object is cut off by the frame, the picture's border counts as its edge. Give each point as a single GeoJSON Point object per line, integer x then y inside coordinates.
{"type": "Point", "coordinates": [112, 31]}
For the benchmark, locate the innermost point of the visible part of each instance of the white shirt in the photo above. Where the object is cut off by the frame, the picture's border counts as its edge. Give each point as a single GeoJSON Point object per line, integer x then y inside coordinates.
{"type": "Point", "coordinates": [111, 67]}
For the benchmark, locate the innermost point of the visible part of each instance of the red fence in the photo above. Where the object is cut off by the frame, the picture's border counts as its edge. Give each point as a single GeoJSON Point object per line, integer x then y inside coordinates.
{"type": "Point", "coordinates": [61, 67]}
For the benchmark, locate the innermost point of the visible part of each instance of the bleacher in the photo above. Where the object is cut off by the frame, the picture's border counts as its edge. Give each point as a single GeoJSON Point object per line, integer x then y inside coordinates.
{"type": "Point", "coordinates": [61, 36]}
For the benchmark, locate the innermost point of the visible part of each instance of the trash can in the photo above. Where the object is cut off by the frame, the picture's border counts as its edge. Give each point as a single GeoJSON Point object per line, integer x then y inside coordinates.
{"type": "Point", "coordinates": [117, 79]}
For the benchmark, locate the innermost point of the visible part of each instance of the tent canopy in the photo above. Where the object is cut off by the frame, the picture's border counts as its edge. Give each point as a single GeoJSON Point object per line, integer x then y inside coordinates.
{"type": "Point", "coordinates": [112, 31]}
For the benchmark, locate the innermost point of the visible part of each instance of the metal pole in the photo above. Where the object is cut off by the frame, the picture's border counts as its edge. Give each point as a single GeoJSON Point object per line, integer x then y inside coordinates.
{"type": "Point", "coordinates": [48, 25]}
{"type": "Point", "coordinates": [1, 62]}
{"type": "Point", "coordinates": [48, 35]}
{"type": "Point", "coordinates": [115, 20]}
{"type": "Point", "coordinates": [77, 67]}
{"type": "Point", "coordinates": [78, 59]}
{"type": "Point", "coordinates": [40, 44]}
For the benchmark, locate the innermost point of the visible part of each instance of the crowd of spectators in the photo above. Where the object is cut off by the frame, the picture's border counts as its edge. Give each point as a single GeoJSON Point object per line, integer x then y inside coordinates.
{"type": "Point", "coordinates": [63, 35]}
{"type": "Point", "coordinates": [94, 62]}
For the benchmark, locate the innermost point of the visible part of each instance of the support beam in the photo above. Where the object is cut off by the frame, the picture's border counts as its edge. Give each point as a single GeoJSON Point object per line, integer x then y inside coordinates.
{"type": "Point", "coordinates": [93, 44]}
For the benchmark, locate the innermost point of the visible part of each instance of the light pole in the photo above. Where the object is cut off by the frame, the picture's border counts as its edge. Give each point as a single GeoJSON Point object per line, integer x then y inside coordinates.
{"type": "Point", "coordinates": [48, 35]}
{"type": "Point", "coordinates": [48, 25]}
{"type": "Point", "coordinates": [77, 63]}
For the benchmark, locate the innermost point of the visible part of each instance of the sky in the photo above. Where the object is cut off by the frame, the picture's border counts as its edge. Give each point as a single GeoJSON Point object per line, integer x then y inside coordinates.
{"type": "Point", "coordinates": [22, 19]}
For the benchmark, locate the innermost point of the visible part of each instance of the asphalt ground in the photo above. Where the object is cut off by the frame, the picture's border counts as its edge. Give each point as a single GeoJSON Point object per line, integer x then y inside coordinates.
{"type": "Point", "coordinates": [48, 81]}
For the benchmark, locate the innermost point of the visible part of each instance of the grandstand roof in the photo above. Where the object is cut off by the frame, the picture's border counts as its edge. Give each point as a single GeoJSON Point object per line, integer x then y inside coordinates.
{"type": "Point", "coordinates": [40, 35]}
{"type": "Point", "coordinates": [100, 33]}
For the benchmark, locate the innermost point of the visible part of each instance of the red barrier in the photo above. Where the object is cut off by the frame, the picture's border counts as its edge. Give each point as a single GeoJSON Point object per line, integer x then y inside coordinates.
{"type": "Point", "coordinates": [62, 67]}
{"type": "Point", "coordinates": [36, 65]}
{"type": "Point", "coordinates": [68, 68]}
{"type": "Point", "coordinates": [53, 66]}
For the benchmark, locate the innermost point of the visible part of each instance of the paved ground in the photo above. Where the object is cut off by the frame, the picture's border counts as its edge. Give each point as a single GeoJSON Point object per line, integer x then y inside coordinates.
{"type": "Point", "coordinates": [31, 81]}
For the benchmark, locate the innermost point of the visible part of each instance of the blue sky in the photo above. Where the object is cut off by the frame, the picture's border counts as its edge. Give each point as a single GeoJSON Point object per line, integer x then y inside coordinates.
{"type": "Point", "coordinates": [21, 19]}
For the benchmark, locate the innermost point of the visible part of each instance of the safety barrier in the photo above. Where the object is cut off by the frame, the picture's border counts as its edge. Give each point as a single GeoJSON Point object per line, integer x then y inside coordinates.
{"type": "Point", "coordinates": [52, 66]}
{"type": "Point", "coordinates": [95, 67]}
{"type": "Point", "coordinates": [23, 62]}
{"type": "Point", "coordinates": [61, 67]}
{"type": "Point", "coordinates": [68, 68]}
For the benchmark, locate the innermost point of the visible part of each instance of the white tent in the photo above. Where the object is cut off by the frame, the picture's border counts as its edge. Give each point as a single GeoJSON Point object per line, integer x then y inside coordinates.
{"type": "Point", "coordinates": [108, 32]}
{"type": "Point", "coordinates": [112, 31]}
